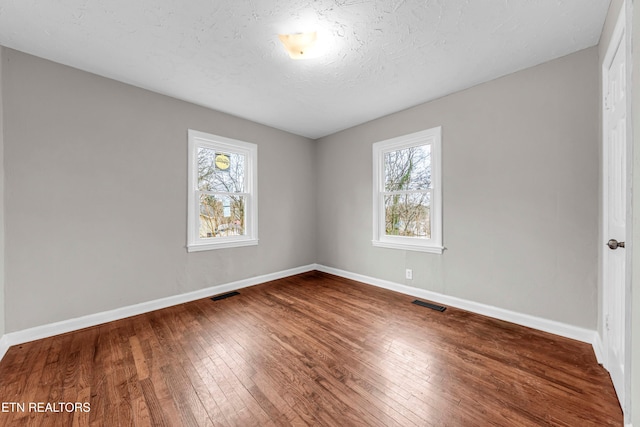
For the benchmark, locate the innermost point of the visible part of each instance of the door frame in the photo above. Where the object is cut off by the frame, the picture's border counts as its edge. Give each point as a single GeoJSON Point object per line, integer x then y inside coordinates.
{"type": "Point", "coordinates": [622, 27]}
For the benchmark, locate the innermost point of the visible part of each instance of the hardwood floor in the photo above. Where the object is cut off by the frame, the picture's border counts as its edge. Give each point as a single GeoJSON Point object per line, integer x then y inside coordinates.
{"type": "Point", "coordinates": [312, 349]}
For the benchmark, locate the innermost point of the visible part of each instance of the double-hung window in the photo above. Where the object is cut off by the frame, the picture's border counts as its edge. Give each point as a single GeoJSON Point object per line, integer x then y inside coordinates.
{"type": "Point", "coordinates": [222, 197]}
{"type": "Point", "coordinates": [407, 196]}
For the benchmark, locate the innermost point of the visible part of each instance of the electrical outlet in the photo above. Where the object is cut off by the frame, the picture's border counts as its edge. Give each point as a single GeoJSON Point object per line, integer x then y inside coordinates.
{"type": "Point", "coordinates": [408, 274]}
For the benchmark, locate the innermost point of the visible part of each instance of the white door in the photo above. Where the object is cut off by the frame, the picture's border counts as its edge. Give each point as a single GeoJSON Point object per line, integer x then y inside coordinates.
{"type": "Point", "coordinates": [615, 207]}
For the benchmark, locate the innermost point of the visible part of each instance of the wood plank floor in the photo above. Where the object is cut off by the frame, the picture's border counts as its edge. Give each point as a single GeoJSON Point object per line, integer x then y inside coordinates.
{"type": "Point", "coordinates": [312, 349]}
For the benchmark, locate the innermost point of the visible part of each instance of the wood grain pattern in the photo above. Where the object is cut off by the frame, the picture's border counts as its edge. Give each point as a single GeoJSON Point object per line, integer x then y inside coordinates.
{"type": "Point", "coordinates": [311, 349]}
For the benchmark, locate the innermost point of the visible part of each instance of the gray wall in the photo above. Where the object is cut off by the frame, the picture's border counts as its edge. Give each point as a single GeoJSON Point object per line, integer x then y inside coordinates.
{"type": "Point", "coordinates": [520, 184]}
{"type": "Point", "coordinates": [95, 199]}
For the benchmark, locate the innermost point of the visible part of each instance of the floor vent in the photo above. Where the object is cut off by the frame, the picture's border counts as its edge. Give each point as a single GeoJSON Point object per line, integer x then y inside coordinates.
{"type": "Point", "coordinates": [429, 305]}
{"type": "Point", "coordinates": [227, 295]}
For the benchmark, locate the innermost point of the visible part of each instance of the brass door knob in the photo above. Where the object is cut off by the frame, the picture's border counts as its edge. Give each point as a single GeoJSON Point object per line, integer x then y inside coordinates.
{"type": "Point", "coordinates": [614, 244]}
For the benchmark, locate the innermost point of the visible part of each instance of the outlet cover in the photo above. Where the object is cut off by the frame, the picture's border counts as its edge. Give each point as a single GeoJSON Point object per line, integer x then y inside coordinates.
{"type": "Point", "coordinates": [408, 274]}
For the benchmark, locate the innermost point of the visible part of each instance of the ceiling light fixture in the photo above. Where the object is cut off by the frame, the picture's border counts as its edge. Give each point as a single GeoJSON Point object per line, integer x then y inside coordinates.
{"type": "Point", "coordinates": [299, 45]}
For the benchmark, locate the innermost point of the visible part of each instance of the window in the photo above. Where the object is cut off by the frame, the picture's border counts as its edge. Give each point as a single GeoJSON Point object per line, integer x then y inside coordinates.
{"type": "Point", "coordinates": [407, 205]}
{"type": "Point", "coordinates": [223, 202]}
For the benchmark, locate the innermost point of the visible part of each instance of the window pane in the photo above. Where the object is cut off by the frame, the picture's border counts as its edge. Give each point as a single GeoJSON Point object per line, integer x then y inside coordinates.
{"type": "Point", "coordinates": [408, 169]}
{"type": "Point", "coordinates": [408, 215]}
{"type": "Point", "coordinates": [223, 172]}
{"type": "Point", "coordinates": [222, 216]}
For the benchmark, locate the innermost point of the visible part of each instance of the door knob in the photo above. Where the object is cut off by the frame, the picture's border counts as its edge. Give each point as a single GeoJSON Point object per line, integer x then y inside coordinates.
{"type": "Point", "coordinates": [614, 244]}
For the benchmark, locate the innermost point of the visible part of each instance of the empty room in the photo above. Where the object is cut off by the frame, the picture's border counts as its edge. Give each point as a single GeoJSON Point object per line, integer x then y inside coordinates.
{"type": "Point", "coordinates": [329, 212]}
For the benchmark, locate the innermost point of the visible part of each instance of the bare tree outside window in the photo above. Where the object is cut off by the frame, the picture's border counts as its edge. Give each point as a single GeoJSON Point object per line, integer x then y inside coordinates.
{"type": "Point", "coordinates": [221, 179]}
{"type": "Point", "coordinates": [407, 192]}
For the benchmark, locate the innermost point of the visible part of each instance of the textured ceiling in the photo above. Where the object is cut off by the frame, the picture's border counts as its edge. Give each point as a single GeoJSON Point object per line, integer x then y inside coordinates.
{"type": "Point", "coordinates": [379, 56]}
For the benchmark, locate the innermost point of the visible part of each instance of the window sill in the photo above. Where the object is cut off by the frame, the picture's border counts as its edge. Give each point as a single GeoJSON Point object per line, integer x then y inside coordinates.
{"type": "Point", "coordinates": [198, 247]}
{"type": "Point", "coordinates": [408, 247]}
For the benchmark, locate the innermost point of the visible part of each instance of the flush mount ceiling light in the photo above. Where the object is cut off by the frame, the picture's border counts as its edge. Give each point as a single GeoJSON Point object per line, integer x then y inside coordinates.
{"type": "Point", "coordinates": [299, 45]}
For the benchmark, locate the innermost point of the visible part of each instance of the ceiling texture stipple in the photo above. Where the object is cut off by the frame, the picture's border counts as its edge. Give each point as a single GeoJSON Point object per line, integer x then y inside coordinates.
{"type": "Point", "coordinates": [378, 57]}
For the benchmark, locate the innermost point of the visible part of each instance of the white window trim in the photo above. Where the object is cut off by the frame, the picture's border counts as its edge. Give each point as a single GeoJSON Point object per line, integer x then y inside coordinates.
{"type": "Point", "coordinates": [194, 242]}
{"type": "Point", "coordinates": [433, 137]}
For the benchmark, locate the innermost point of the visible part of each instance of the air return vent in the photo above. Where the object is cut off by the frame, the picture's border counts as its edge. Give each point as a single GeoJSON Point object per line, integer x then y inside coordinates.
{"type": "Point", "coordinates": [429, 305]}
{"type": "Point", "coordinates": [223, 296]}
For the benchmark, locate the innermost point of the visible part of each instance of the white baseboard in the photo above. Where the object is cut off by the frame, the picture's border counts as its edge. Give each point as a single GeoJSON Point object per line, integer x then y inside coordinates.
{"type": "Point", "coordinates": [49, 330]}
{"type": "Point", "coordinates": [598, 348]}
{"type": "Point", "coordinates": [4, 346]}
{"type": "Point", "coordinates": [557, 328]}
